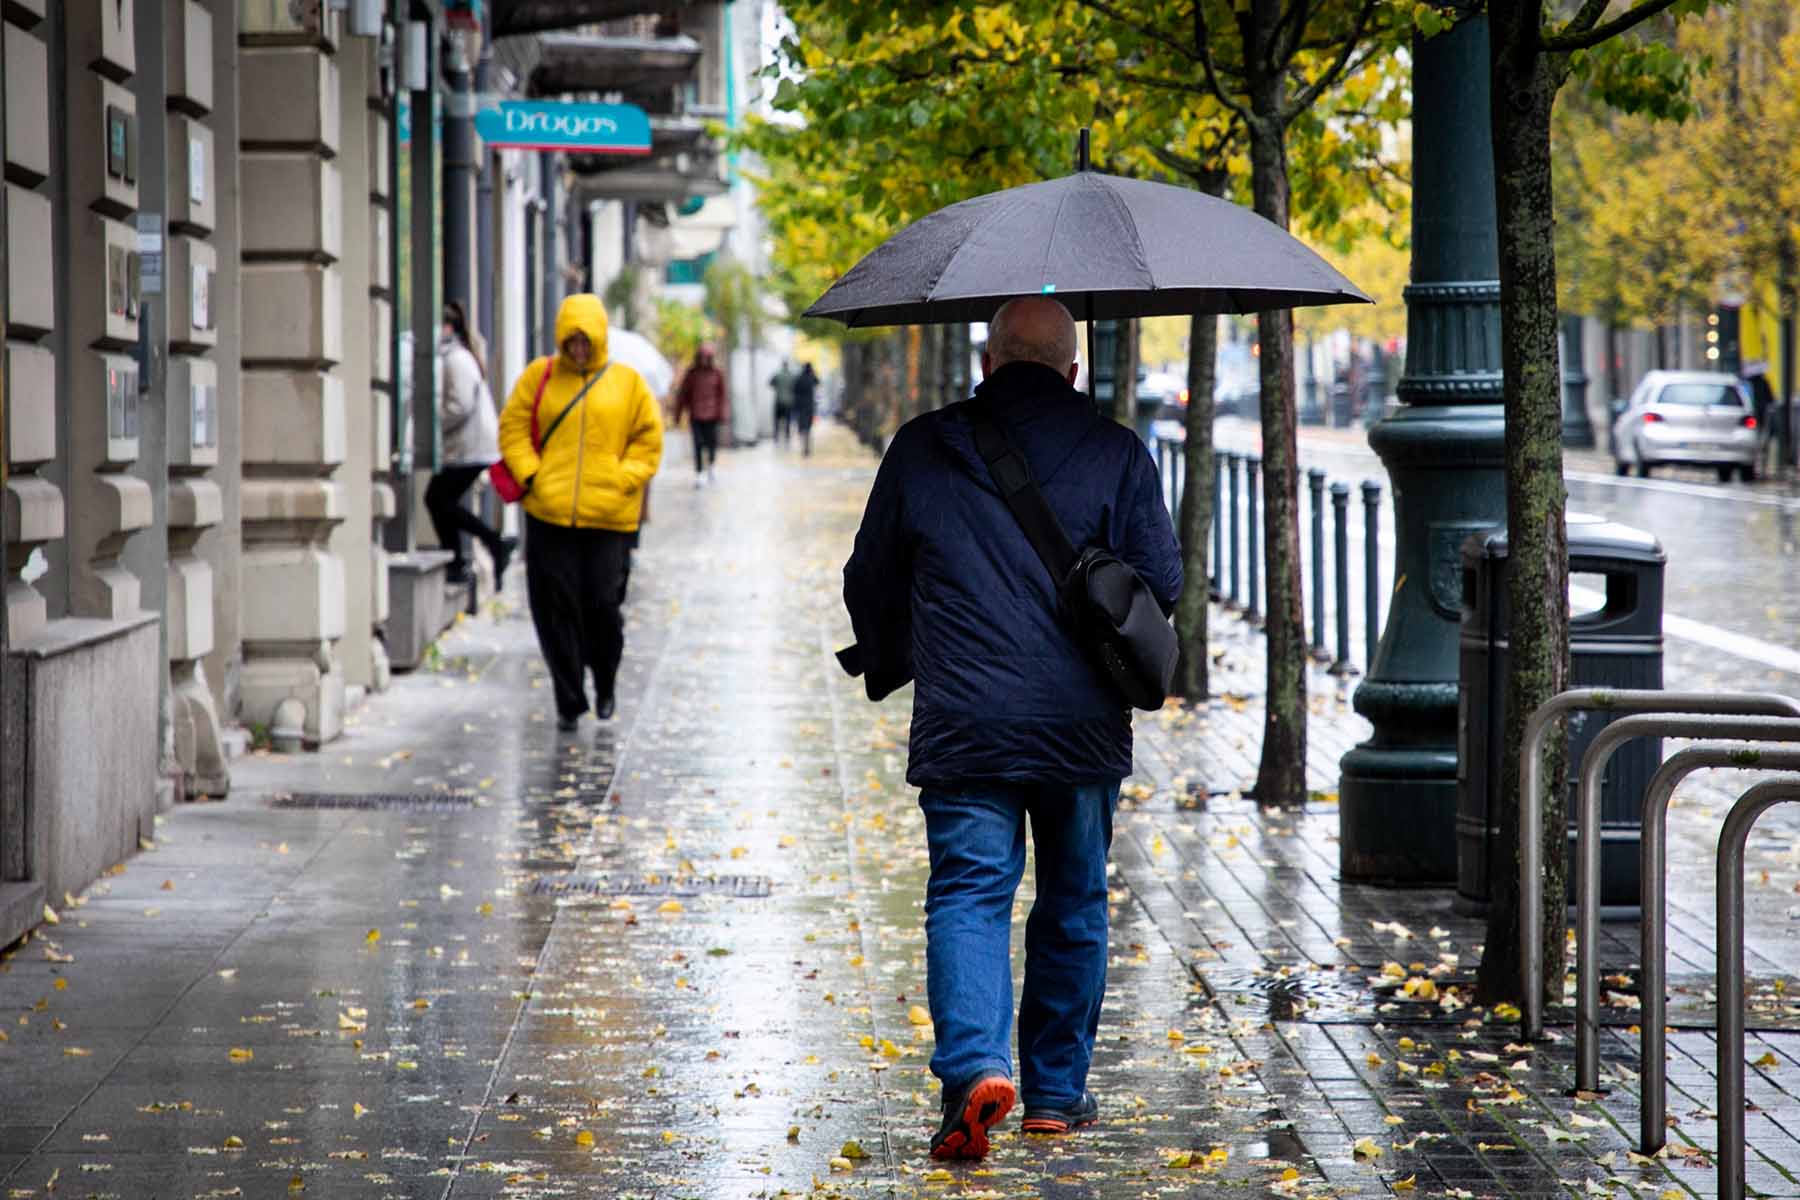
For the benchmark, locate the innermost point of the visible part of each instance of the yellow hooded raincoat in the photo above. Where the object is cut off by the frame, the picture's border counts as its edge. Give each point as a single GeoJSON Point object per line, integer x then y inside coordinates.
{"type": "Point", "coordinates": [591, 474]}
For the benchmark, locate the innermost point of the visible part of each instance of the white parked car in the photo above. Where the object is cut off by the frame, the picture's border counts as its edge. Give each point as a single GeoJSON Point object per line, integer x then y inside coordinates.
{"type": "Point", "coordinates": [1694, 418]}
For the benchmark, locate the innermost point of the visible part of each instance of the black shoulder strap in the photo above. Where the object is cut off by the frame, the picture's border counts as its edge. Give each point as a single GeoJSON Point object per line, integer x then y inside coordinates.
{"type": "Point", "coordinates": [1012, 475]}
{"type": "Point", "coordinates": [601, 374]}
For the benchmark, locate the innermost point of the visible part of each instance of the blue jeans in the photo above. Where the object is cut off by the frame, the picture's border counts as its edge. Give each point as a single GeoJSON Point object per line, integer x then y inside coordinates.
{"type": "Point", "coordinates": [977, 841]}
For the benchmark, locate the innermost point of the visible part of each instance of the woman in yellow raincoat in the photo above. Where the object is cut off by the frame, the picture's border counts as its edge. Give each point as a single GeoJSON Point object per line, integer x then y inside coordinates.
{"type": "Point", "coordinates": [583, 435]}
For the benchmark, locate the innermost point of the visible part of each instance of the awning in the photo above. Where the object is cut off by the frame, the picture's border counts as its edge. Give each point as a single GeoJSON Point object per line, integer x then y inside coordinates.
{"type": "Point", "coordinates": [632, 66]}
{"type": "Point", "coordinates": [515, 17]}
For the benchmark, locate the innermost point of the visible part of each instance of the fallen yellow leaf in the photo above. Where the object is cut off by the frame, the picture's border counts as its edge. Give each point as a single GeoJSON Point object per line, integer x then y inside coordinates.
{"type": "Point", "coordinates": [584, 1138]}
{"type": "Point", "coordinates": [917, 1015]}
{"type": "Point", "coordinates": [373, 936]}
{"type": "Point", "coordinates": [1366, 1148]}
{"type": "Point", "coordinates": [1410, 1183]}
{"type": "Point", "coordinates": [242, 1054]}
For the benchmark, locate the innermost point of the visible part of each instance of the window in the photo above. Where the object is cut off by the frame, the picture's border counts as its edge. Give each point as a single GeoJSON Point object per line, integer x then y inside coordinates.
{"type": "Point", "coordinates": [1699, 395]}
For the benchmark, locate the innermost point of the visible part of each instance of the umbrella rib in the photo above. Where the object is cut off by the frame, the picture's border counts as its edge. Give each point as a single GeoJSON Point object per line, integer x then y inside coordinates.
{"type": "Point", "coordinates": [1137, 242]}
{"type": "Point", "coordinates": [996, 211]}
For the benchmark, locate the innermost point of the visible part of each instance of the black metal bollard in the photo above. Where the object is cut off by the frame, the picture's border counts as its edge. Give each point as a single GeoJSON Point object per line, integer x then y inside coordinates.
{"type": "Point", "coordinates": [1231, 467]}
{"type": "Point", "coordinates": [1340, 511]}
{"type": "Point", "coordinates": [1218, 525]}
{"type": "Point", "coordinates": [1315, 480]}
{"type": "Point", "coordinates": [1253, 544]}
{"type": "Point", "coordinates": [1371, 495]}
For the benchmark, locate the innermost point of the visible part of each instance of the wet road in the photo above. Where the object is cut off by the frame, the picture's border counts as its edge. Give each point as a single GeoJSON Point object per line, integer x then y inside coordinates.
{"type": "Point", "coordinates": [1732, 585]}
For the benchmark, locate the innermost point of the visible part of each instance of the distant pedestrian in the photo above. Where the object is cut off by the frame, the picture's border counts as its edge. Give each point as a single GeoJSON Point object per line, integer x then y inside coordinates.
{"type": "Point", "coordinates": [584, 436]}
{"type": "Point", "coordinates": [471, 429]}
{"type": "Point", "coordinates": [1011, 720]}
{"type": "Point", "coordinates": [706, 401]}
{"type": "Point", "coordinates": [806, 393]}
{"type": "Point", "coordinates": [783, 383]}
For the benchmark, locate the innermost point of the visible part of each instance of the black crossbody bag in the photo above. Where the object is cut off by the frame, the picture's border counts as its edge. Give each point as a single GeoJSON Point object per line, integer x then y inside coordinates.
{"type": "Point", "coordinates": [1114, 614]}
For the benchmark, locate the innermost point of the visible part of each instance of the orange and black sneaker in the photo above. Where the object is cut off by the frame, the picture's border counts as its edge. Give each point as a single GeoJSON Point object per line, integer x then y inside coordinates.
{"type": "Point", "coordinates": [970, 1113]}
{"type": "Point", "coordinates": [1039, 1119]}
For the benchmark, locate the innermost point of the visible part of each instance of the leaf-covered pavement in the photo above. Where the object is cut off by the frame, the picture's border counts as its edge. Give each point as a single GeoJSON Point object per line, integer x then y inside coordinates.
{"type": "Point", "coordinates": [457, 954]}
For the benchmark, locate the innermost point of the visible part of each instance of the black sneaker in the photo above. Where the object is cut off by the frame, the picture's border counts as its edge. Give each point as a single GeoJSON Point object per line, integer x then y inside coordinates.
{"type": "Point", "coordinates": [969, 1113]}
{"type": "Point", "coordinates": [1040, 1119]}
{"type": "Point", "coordinates": [567, 724]}
{"type": "Point", "coordinates": [605, 710]}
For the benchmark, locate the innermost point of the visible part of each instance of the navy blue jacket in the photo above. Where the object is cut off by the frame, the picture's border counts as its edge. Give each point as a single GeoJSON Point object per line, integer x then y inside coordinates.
{"type": "Point", "coordinates": [944, 589]}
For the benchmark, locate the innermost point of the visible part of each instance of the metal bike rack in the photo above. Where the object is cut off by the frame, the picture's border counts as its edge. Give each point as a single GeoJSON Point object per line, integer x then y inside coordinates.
{"type": "Point", "coordinates": [1653, 853]}
{"type": "Point", "coordinates": [1587, 850]}
{"type": "Point", "coordinates": [1743, 815]}
{"type": "Point", "coordinates": [1531, 816]}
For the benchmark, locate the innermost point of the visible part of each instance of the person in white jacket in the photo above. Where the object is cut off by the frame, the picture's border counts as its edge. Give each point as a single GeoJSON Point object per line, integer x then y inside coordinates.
{"type": "Point", "coordinates": [471, 442]}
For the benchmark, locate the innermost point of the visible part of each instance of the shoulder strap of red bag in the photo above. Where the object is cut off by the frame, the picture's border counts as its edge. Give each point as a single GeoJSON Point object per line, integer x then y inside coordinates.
{"type": "Point", "coordinates": [538, 400]}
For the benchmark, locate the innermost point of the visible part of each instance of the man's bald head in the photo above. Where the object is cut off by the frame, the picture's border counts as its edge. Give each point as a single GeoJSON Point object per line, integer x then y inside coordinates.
{"type": "Point", "coordinates": [1032, 329]}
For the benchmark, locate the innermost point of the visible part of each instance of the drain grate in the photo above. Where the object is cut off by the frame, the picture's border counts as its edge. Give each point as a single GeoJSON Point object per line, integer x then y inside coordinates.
{"type": "Point", "coordinates": [377, 801]}
{"type": "Point", "coordinates": [732, 887]}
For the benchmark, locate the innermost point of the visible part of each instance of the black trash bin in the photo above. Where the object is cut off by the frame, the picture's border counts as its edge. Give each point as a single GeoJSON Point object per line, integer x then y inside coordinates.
{"type": "Point", "coordinates": [1615, 640]}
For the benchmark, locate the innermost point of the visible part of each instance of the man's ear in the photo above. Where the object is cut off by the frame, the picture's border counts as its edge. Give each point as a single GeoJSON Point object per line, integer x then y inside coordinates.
{"type": "Point", "coordinates": [1074, 371]}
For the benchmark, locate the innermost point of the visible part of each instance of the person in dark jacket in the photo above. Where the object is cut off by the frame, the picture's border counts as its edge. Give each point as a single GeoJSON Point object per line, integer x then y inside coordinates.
{"type": "Point", "coordinates": [704, 399]}
{"type": "Point", "coordinates": [1011, 720]}
{"type": "Point", "coordinates": [806, 396]}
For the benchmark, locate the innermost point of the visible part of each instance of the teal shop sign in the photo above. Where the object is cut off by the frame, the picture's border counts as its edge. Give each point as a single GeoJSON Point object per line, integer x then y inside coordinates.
{"type": "Point", "coordinates": [575, 128]}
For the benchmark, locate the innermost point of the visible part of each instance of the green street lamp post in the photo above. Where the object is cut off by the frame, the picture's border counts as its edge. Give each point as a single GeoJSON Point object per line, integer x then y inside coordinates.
{"type": "Point", "coordinates": [1444, 449]}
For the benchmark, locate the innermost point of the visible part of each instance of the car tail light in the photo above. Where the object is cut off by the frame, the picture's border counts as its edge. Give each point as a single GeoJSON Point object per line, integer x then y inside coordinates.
{"type": "Point", "coordinates": [1651, 418]}
{"type": "Point", "coordinates": [1749, 422]}
{"type": "Point", "coordinates": [1184, 397]}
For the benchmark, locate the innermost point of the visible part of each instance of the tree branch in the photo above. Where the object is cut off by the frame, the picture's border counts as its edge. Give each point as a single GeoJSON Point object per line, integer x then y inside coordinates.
{"type": "Point", "coordinates": [1112, 13]}
{"type": "Point", "coordinates": [1309, 95]}
{"type": "Point", "coordinates": [1203, 44]}
{"type": "Point", "coordinates": [1573, 38]}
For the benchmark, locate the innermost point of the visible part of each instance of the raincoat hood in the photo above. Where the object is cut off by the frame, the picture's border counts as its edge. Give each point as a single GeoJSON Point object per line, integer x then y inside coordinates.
{"type": "Point", "coordinates": [583, 313]}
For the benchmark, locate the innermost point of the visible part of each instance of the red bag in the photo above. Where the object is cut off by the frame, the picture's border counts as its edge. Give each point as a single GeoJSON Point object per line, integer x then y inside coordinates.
{"type": "Point", "coordinates": [510, 490]}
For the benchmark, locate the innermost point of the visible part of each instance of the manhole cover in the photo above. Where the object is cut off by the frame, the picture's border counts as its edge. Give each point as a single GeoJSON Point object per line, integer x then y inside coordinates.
{"type": "Point", "coordinates": [732, 887]}
{"type": "Point", "coordinates": [378, 801]}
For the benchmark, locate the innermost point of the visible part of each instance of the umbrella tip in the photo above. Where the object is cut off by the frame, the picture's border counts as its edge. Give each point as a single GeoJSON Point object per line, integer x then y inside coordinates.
{"type": "Point", "coordinates": [1081, 151]}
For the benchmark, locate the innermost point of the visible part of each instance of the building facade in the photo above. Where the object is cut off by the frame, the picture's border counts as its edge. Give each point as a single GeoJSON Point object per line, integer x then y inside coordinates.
{"type": "Point", "coordinates": [228, 230]}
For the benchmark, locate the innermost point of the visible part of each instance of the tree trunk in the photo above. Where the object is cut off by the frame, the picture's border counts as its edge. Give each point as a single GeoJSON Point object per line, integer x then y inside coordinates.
{"type": "Point", "coordinates": [1525, 83]}
{"type": "Point", "coordinates": [1281, 776]}
{"type": "Point", "coordinates": [1192, 672]}
{"type": "Point", "coordinates": [1125, 355]}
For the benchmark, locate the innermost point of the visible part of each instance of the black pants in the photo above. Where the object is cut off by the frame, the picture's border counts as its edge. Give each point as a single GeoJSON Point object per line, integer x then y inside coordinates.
{"type": "Point", "coordinates": [576, 581]}
{"type": "Point", "coordinates": [443, 500]}
{"type": "Point", "coordinates": [784, 424]}
{"type": "Point", "coordinates": [706, 444]}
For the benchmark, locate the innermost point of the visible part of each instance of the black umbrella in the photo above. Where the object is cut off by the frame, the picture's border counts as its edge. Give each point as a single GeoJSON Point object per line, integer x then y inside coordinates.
{"type": "Point", "coordinates": [1105, 246]}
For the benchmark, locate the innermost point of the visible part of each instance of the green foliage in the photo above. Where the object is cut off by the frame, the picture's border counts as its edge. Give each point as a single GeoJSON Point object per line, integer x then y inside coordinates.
{"type": "Point", "coordinates": [679, 329]}
{"type": "Point", "coordinates": [621, 298]}
{"type": "Point", "coordinates": [734, 299]}
{"type": "Point", "coordinates": [1639, 76]}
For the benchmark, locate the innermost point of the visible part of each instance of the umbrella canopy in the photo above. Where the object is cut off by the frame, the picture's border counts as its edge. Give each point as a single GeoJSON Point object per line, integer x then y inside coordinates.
{"type": "Point", "coordinates": [1106, 247]}
{"type": "Point", "coordinates": [636, 351]}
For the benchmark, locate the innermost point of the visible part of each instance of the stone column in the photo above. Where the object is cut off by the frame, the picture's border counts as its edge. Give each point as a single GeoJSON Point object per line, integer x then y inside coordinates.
{"type": "Point", "coordinates": [34, 512]}
{"type": "Point", "coordinates": [1445, 452]}
{"type": "Point", "coordinates": [381, 365]}
{"type": "Point", "coordinates": [221, 547]}
{"type": "Point", "coordinates": [107, 504]}
{"type": "Point", "coordinates": [350, 540]}
{"type": "Point", "coordinates": [293, 393]}
{"type": "Point", "coordinates": [196, 502]}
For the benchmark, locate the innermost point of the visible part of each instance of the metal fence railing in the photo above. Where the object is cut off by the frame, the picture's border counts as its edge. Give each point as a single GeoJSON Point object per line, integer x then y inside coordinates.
{"type": "Point", "coordinates": [1737, 717]}
{"type": "Point", "coordinates": [1238, 530]}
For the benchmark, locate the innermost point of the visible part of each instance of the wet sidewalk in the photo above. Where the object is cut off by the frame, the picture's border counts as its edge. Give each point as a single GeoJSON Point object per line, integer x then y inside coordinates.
{"type": "Point", "coordinates": [681, 955]}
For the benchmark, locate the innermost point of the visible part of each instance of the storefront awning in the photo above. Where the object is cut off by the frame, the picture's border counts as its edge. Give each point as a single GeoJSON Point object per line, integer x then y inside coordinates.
{"type": "Point", "coordinates": [571, 63]}
{"type": "Point", "coordinates": [513, 18]}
